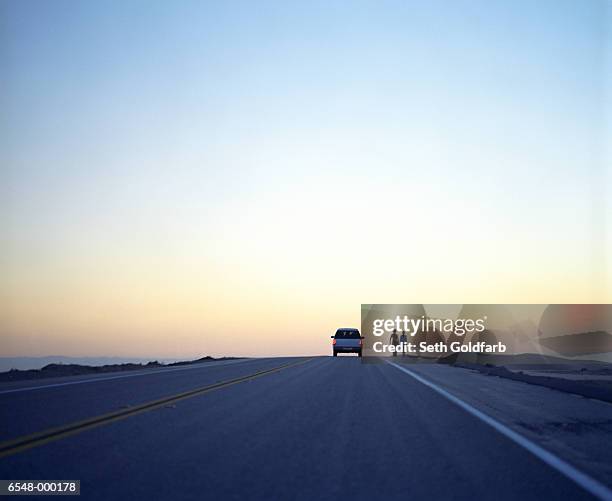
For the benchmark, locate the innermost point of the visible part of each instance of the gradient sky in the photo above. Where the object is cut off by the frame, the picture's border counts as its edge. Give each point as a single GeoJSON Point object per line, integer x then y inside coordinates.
{"type": "Point", "coordinates": [236, 178]}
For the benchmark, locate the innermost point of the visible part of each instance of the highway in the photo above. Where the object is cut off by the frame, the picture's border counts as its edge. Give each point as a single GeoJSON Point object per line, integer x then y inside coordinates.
{"type": "Point", "coordinates": [306, 428]}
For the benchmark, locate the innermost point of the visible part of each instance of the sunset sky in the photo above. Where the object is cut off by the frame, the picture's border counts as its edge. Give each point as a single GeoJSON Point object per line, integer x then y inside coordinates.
{"type": "Point", "coordinates": [182, 179]}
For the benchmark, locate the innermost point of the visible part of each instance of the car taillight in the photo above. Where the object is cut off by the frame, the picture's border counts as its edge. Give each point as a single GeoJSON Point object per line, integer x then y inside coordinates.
{"type": "Point", "coordinates": [334, 341]}
{"type": "Point", "coordinates": [361, 342]}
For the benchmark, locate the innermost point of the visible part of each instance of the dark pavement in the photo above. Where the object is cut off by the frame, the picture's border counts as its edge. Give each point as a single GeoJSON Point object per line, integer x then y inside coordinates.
{"type": "Point", "coordinates": [329, 428]}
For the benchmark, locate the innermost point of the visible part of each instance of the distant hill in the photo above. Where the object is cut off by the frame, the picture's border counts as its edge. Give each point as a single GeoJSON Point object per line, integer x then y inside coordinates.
{"type": "Point", "coordinates": [69, 369]}
{"type": "Point", "coordinates": [26, 363]}
{"type": "Point", "coordinates": [531, 360]}
{"type": "Point", "coordinates": [587, 343]}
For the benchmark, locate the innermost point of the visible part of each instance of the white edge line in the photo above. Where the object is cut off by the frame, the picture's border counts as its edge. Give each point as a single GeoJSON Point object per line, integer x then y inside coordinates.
{"type": "Point", "coordinates": [122, 376]}
{"type": "Point", "coordinates": [587, 483]}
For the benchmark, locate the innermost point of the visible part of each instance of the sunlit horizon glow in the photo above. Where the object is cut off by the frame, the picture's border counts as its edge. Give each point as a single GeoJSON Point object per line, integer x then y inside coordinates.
{"type": "Point", "coordinates": [211, 178]}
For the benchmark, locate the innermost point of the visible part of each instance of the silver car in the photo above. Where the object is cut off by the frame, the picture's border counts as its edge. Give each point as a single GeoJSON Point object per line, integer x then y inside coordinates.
{"type": "Point", "coordinates": [347, 340]}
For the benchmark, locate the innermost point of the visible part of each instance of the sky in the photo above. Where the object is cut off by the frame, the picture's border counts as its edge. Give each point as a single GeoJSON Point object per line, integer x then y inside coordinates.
{"type": "Point", "coordinates": [181, 179]}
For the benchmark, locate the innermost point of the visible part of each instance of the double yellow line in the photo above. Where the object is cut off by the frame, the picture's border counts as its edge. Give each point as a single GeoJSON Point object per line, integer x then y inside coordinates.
{"type": "Point", "coordinates": [26, 442]}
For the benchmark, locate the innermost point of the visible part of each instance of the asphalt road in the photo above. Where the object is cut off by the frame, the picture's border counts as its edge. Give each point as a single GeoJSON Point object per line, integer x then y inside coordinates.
{"type": "Point", "coordinates": [321, 428]}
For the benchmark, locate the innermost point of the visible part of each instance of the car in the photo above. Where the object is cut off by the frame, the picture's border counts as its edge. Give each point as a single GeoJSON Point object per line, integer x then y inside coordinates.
{"type": "Point", "coordinates": [347, 340]}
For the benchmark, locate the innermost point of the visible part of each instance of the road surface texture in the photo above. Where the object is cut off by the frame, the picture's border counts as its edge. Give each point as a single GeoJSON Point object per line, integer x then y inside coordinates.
{"type": "Point", "coordinates": [319, 428]}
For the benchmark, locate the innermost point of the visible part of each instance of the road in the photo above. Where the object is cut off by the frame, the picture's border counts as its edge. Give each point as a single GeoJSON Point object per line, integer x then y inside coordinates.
{"type": "Point", "coordinates": [318, 428]}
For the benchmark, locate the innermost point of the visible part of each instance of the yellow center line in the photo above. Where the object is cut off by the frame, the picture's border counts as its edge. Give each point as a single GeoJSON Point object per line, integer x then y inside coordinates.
{"type": "Point", "coordinates": [36, 439]}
